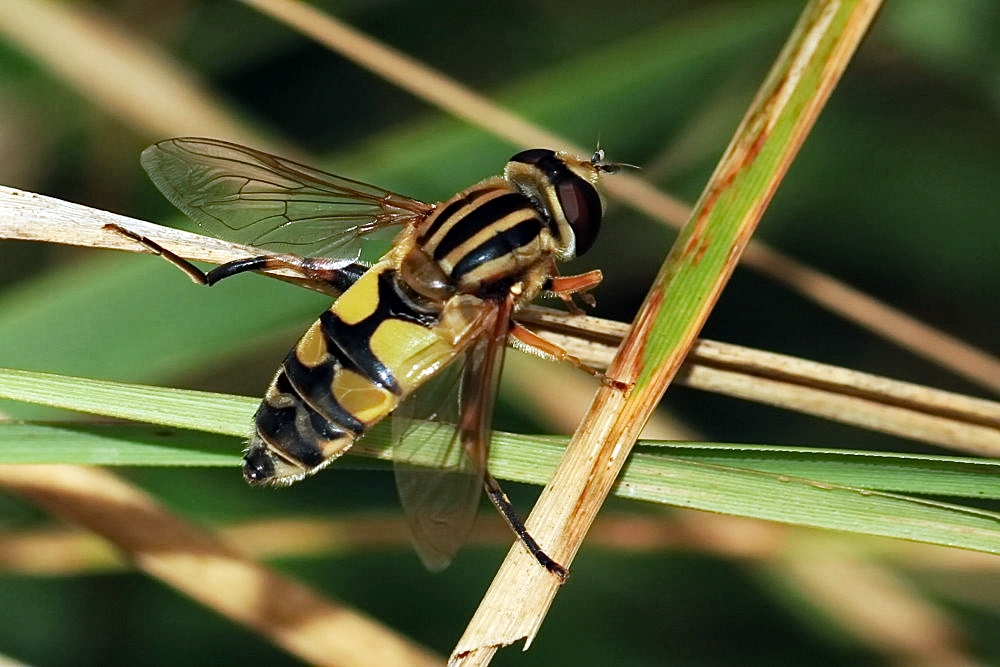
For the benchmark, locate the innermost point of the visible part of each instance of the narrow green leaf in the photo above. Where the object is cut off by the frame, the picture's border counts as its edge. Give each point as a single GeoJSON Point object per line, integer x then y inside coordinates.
{"type": "Point", "coordinates": [200, 410]}
{"type": "Point", "coordinates": [955, 476]}
{"type": "Point", "coordinates": [783, 496]}
{"type": "Point", "coordinates": [114, 444]}
{"type": "Point", "coordinates": [805, 502]}
{"type": "Point", "coordinates": [840, 492]}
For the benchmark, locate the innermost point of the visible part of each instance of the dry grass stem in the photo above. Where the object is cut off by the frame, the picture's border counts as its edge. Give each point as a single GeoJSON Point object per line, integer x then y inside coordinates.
{"type": "Point", "coordinates": [205, 568]}
{"type": "Point", "coordinates": [119, 71]}
{"type": "Point", "coordinates": [908, 410]}
{"type": "Point", "coordinates": [849, 584]}
{"type": "Point", "coordinates": [913, 411]}
{"type": "Point", "coordinates": [67, 552]}
{"type": "Point", "coordinates": [943, 349]}
{"type": "Point", "coordinates": [693, 276]}
{"type": "Point", "coordinates": [70, 551]}
{"type": "Point", "coordinates": [942, 418]}
{"type": "Point", "coordinates": [875, 604]}
{"type": "Point", "coordinates": [26, 216]}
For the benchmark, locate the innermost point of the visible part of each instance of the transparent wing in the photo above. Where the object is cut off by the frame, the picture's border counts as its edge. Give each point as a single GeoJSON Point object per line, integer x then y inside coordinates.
{"type": "Point", "coordinates": [440, 502]}
{"type": "Point", "coordinates": [247, 196]}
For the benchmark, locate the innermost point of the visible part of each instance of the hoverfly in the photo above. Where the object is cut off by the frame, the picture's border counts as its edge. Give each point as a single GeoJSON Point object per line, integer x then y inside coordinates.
{"type": "Point", "coordinates": [436, 311]}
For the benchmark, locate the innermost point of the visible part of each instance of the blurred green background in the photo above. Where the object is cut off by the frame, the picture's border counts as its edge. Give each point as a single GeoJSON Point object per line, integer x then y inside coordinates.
{"type": "Point", "coordinates": [895, 192]}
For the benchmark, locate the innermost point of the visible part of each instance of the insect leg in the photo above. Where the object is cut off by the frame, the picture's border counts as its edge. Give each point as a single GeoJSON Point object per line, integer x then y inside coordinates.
{"type": "Point", "coordinates": [480, 382]}
{"type": "Point", "coordinates": [336, 274]}
{"type": "Point", "coordinates": [574, 284]}
{"type": "Point", "coordinates": [528, 341]}
{"type": "Point", "coordinates": [565, 287]}
{"type": "Point", "coordinates": [509, 514]}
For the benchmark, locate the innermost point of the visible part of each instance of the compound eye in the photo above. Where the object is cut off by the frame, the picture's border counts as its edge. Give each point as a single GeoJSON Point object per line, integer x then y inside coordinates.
{"type": "Point", "coordinates": [581, 205]}
{"type": "Point", "coordinates": [566, 197]}
{"type": "Point", "coordinates": [533, 155]}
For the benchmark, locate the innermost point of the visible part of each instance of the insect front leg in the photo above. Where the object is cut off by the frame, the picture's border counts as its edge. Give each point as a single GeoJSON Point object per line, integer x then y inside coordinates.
{"type": "Point", "coordinates": [333, 274]}
{"type": "Point", "coordinates": [566, 287]}
{"type": "Point", "coordinates": [528, 341]}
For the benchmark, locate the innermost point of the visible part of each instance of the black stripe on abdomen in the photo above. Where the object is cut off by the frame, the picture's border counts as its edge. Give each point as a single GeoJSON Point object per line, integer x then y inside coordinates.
{"type": "Point", "coordinates": [294, 429]}
{"type": "Point", "coordinates": [314, 386]}
{"type": "Point", "coordinates": [350, 344]}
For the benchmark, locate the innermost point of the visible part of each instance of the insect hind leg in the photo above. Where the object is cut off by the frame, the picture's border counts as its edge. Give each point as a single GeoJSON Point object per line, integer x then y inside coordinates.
{"type": "Point", "coordinates": [335, 275]}
{"type": "Point", "coordinates": [506, 509]}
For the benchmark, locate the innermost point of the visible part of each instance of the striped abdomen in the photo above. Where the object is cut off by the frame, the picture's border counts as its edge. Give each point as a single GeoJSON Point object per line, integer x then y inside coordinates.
{"type": "Point", "coordinates": [353, 366]}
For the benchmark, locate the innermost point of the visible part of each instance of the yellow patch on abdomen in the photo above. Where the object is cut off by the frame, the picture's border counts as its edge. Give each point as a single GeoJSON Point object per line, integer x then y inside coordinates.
{"type": "Point", "coordinates": [360, 300]}
{"type": "Point", "coordinates": [366, 401]}
{"type": "Point", "coordinates": [311, 349]}
{"type": "Point", "coordinates": [410, 351]}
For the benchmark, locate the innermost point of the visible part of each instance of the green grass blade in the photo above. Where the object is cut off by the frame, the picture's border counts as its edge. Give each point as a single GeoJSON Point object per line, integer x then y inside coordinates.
{"type": "Point", "coordinates": [114, 445]}
{"type": "Point", "coordinates": [806, 502]}
{"type": "Point", "coordinates": [954, 476]}
{"type": "Point", "coordinates": [200, 410]}
{"type": "Point", "coordinates": [843, 490]}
